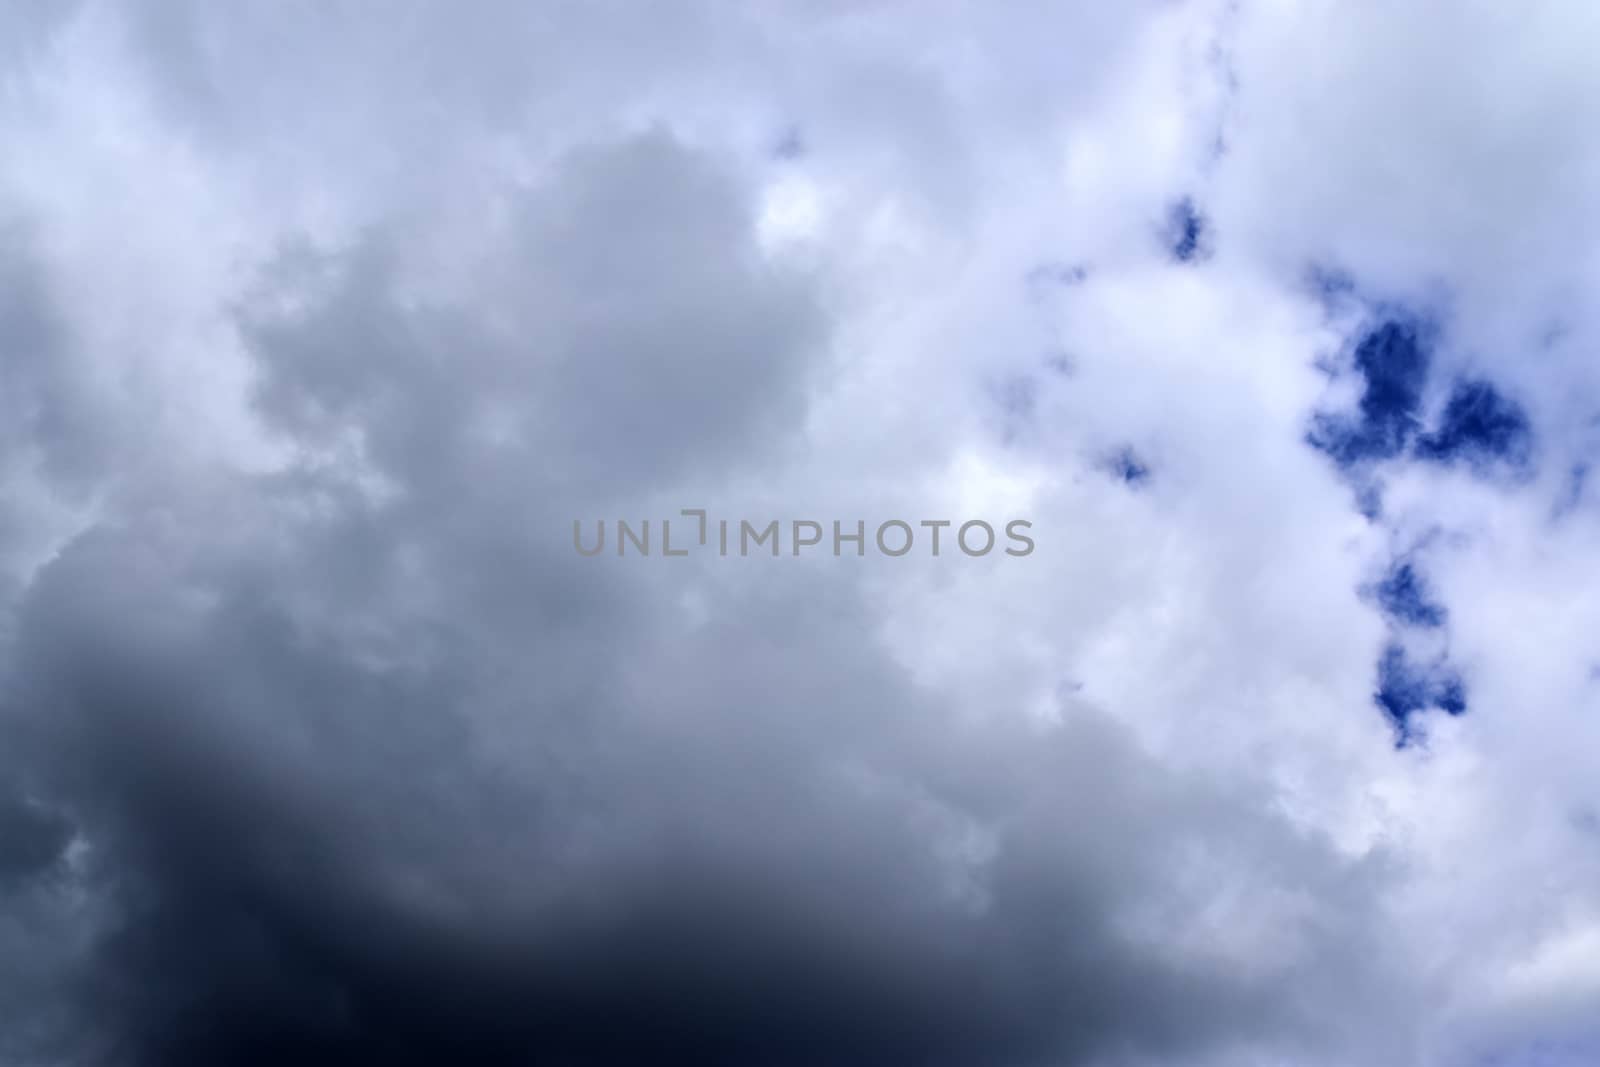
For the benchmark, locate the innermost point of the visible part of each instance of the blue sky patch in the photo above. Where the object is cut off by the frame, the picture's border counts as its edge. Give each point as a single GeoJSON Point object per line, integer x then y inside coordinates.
{"type": "Point", "coordinates": [1480, 426]}
{"type": "Point", "coordinates": [1393, 360]}
{"type": "Point", "coordinates": [1126, 465]}
{"type": "Point", "coordinates": [1405, 688]}
{"type": "Point", "coordinates": [1403, 596]}
{"type": "Point", "coordinates": [1187, 232]}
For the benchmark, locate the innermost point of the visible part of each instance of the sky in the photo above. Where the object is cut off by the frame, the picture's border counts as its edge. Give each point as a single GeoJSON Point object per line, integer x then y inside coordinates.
{"type": "Point", "coordinates": [324, 328]}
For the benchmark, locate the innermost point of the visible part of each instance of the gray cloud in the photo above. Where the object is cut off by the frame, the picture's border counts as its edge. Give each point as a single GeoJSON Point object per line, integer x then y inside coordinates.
{"type": "Point", "coordinates": [627, 329]}
{"type": "Point", "coordinates": [318, 329]}
{"type": "Point", "coordinates": [779, 855]}
{"type": "Point", "coordinates": [372, 773]}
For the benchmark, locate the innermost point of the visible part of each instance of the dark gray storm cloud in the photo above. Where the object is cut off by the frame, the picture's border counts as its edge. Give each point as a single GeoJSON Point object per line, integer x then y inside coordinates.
{"type": "Point", "coordinates": [303, 848]}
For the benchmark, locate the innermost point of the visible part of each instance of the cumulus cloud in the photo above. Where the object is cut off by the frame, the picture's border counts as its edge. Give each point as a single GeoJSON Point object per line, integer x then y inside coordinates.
{"type": "Point", "coordinates": [319, 328]}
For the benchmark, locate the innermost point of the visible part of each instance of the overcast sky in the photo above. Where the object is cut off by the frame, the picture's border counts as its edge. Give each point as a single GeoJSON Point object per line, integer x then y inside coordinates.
{"type": "Point", "coordinates": [321, 324]}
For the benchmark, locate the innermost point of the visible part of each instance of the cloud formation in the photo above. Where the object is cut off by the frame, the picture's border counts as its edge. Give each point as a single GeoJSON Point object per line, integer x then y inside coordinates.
{"type": "Point", "coordinates": [319, 327]}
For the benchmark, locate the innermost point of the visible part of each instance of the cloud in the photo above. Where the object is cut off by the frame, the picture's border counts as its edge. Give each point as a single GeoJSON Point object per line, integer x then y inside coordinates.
{"type": "Point", "coordinates": [318, 330]}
